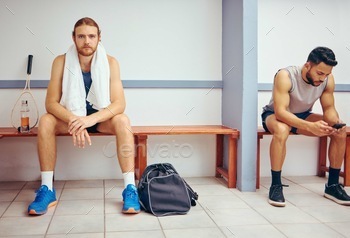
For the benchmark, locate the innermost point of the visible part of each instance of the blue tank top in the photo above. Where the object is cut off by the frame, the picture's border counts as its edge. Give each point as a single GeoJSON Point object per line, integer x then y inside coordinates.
{"type": "Point", "coordinates": [87, 84]}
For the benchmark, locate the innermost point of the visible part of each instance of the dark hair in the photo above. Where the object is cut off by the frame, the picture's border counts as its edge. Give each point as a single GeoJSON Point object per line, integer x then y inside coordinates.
{"type": "Point", "coordinates": [322, 54]}
{"type": "Point", "coordinates": [86, 21]}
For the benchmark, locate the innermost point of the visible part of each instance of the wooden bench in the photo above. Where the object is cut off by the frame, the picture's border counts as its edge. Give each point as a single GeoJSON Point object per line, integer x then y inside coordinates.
{"type": "Point", "coordinates": [322, 157]}
{"type": "Point", "coordinates": [141, 134]}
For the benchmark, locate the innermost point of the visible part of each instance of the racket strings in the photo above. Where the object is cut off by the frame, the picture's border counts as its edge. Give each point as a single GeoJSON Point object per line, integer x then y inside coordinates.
{"type": "Point", "coordinates": [26, 95]}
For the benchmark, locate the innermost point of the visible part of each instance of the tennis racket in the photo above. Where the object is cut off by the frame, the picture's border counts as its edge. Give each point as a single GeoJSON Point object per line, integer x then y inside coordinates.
{"type": "Point", "coordinates": [25, 113]}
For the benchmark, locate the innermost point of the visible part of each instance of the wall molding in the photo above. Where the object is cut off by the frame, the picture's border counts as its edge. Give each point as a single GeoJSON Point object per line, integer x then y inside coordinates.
{"type": "Point", "coordinates": [13, 84]}
{"type": "Point", "coordinates": [338, 87]}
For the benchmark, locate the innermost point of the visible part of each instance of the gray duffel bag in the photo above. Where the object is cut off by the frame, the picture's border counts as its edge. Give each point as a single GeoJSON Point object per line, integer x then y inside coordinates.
{"type": "Point", "coordinates": [163, 192]}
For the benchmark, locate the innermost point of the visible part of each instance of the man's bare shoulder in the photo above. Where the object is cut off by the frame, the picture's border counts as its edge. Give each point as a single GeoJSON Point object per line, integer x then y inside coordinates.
{"type": "Point", "coordinates": [60, 59]}
{"type": "Point", "coordinates": [282, 73]}
{"type": "Point", "coordinates": [282, 81]}
{"type": "Point", "coordinates": [112, 61]}
{"type": "Point", "coordinates": [330, 86]}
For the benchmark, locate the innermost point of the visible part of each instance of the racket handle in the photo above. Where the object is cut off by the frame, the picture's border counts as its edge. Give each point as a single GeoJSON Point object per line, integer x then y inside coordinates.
{"type": "Point", "coordinates": [29, 66]}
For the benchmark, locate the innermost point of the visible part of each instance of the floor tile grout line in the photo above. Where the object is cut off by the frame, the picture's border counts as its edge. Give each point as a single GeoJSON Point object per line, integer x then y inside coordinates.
{"type": "Point", "coordinates": [298, 207]}
{"type": "Point", "coordinates": [161, 227]}
{"type": "Point", "coordinates": [210, 217]}
{"type": "Point", "coordinates": [324, 223]}
{"type": "Point", "coordinates": [55, 208]}
{"type": "Point", "coordinates": [262, 216]}
{"type": "Point", "coordinates": [104, 209]}
{"type": "Point", "coordinates": [297, 181]}
{"type": "Point", "coordinates": [265, 218]}
{"type": "Point", "coordinates": [13, 200]}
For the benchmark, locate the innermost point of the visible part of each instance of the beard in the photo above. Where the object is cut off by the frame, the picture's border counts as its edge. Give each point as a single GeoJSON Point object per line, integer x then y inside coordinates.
{"type": "Point", "coordinates": [86, 51]}
{"type": "Point", "coordinates": [310, 80]}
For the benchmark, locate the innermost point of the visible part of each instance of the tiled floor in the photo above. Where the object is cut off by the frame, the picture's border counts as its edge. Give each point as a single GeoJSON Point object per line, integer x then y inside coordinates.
{"type": "Point", "coordinates": [93, 209]}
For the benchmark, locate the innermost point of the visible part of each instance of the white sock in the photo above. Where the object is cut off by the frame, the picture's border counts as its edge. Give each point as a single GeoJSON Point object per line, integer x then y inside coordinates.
{"type": "Point", "coordinates": [129, 178]}
{"type": "Point", "coordinates": [47, 178]}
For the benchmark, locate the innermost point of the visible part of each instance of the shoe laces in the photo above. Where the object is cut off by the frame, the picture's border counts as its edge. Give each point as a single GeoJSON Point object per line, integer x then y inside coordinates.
{"type": "Point", "coordinates": [40, 195]}
{"type": "Point", "coordinates": [339, 187]}
{"type": "Point", "coordinates": [131, 194]}
{"type": "Point", "coordinates": [279, 186]}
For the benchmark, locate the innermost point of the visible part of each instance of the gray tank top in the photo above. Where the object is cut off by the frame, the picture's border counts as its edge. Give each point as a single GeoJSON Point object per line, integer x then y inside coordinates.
{"type": "Point", "coordinates": [302, 95]}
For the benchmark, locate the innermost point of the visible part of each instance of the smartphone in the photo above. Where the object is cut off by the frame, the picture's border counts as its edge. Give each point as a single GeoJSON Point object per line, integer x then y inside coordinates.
{"type": "Point", "coordinates": [338, 125]}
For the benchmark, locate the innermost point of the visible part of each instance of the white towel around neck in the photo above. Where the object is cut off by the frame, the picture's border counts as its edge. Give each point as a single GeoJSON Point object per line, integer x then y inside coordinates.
{"type": "Point", "coordinates": [73, 91]}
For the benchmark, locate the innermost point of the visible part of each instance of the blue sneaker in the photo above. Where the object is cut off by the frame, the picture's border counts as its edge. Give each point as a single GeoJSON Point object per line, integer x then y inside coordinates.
{"type": "Point", "coordinates": [43, 200]}
{"type": "Point", "coordinates": [131, 200]}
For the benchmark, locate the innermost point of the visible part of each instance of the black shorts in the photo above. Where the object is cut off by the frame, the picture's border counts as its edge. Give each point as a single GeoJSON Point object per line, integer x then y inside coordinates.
{"type": "Point", "coordinates": [301, 115]}
{"type": "Point", "coordinates": [92, 129]}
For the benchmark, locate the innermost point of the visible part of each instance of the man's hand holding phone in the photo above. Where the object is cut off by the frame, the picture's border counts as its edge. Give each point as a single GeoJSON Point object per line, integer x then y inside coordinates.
{"type": "Point", "coordinates": [339, 125]}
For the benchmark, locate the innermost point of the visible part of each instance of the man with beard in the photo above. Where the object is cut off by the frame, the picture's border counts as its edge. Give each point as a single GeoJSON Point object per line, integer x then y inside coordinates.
{"type": "Point", "coordinates": [295, 90]}
{"type": "Point", "coordinates": [85, 94]}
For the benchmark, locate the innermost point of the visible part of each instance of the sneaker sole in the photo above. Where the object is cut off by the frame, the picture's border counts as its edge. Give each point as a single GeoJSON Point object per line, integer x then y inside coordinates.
{"type": "Point", "coordinates": [33, 212]}
{"type": "Point", "coordinates": [346, 203]}
{"type": "Point", "coordinates": [131, 210]}
{"type": "Point", "coordinates": [277, 204]}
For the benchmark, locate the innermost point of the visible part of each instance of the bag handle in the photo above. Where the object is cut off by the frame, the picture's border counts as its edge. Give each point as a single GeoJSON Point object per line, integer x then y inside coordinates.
{"type": "Point", "coordinates": [156, 168]}
{"type": "Point", "coordinates": [168, 168]}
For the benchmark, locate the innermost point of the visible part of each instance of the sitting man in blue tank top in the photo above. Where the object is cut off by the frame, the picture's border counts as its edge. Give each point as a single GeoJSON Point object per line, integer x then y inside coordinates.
{"type": "Point", "coordinates": [85, 94]}
{"type": "Point", "coordinates": [295, 91]}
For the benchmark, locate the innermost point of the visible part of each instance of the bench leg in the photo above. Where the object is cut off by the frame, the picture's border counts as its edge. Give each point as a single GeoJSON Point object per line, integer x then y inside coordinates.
{"type": "Point", "coordinates": [347, 163]}
{"type": "Point", "coordinates": [136, 159]}
{"type": "Point", "coordinates": [232, 162]}
{"type": "Point", "coordinates": [322, 157]}
{"type": "Point", "coordinates": [219, 154]}
{"type": "Point", "coordinates": [257, 185]}
{"type": "Point", "coordinates": [231, 173]}
{"type": "Point", "coordinates": [141, 155]}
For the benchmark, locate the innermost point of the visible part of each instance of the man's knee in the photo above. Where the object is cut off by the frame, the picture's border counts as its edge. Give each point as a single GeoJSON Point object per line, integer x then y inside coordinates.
{"type": "Point", "coordinates": [281, 131]}
{"type": "Point", "coordinates": [47, 123]}
{"type": "Point", "coordinates": [121, 121]}
{"type": "Point", "coordinates": [341, 135]}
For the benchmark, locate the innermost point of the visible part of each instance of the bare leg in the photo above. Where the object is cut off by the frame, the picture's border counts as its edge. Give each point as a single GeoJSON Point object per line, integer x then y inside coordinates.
{"type": "Point", "coordinates": [49, 126]}
{"type": "Point", "coordinates": [120, 126]}
{"type": "Point", "coordinates": [280, 133]}
{"type": "Point", "coordinates": [333, 189]}
{"type": "Point", "coordinates": [46, 195]}
{"type": "Point", "coordinates": [336, 150]}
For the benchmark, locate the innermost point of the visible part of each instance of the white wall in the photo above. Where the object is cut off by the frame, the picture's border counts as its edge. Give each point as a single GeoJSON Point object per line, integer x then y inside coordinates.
{"type": "Point", "coordinates": [164, 40]}
{"type": "Point", "coordinates": [288, 31]}
{"type": "Point", "coordinates": [153, 40]}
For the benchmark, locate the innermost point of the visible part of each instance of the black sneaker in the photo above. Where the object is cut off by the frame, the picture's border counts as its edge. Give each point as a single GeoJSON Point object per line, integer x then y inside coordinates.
{"type": "Point", "coordinates": [337, 193]}
{"type": "Point", "coordinates": [276, 197]}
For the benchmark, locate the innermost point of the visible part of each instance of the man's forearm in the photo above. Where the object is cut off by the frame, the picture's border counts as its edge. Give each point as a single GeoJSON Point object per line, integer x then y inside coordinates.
{"type": "Point", "coordinates": [59, 111]}
{"type": "Point", "coordinates": [331, 116]}
{"type": "Point", "coordinates": [108, 112]}
{"type": "Point", "coordinates": [292, 120]}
